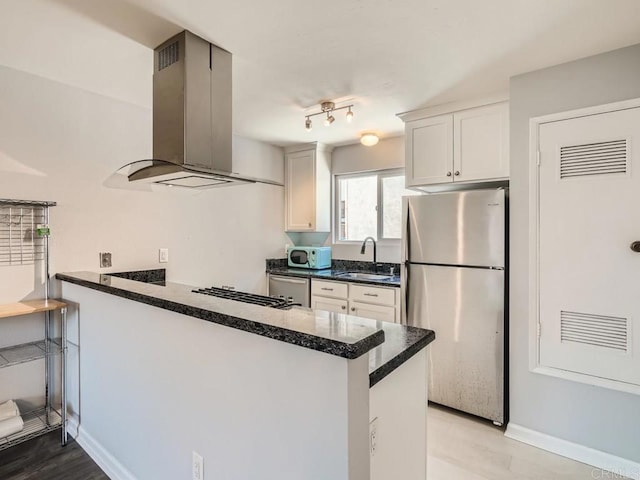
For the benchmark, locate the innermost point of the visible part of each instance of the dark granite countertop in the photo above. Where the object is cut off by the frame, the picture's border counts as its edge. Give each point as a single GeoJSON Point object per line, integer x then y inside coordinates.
{"type": "Point", "coordinates": [400, 344]}
{"type": "Point", "coordinates": [389, 345]}
{"type": "Point", "coordinates": [332, 274]}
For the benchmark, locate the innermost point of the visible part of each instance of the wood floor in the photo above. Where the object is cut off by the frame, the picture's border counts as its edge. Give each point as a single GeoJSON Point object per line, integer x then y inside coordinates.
{"type": "Point", "coordinates": [461, 447]}
{"type": "Point", "coordinates": [43, 458]}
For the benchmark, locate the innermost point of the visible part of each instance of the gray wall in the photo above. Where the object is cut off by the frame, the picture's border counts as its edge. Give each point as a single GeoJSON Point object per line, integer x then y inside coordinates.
{"type": "Point", "coordinates": [595, 417]}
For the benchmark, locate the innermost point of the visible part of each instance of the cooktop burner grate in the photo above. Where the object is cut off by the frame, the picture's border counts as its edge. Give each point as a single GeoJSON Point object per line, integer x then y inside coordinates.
{"type": "Point", "coordinates": [274, 302]}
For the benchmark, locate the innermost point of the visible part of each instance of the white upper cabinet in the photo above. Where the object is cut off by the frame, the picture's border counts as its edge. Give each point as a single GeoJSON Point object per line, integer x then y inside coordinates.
{"type": "Point", "coordinates": [307, 189]}
{"type": "Point", "coordinates": [481, 143]}
{"type": "Point", "coordinates": [464, 146]}
{"type": "Point", "coordinates": [429, 151]}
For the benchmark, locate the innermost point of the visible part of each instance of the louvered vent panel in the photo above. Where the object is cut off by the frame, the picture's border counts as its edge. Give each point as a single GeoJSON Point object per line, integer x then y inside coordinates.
{"type": "Point", "coordinates": [597, 330]}
{"type": "Point", "coordinates": [602, 158]}
{"type": "Point", "coordinates": [168, 55]}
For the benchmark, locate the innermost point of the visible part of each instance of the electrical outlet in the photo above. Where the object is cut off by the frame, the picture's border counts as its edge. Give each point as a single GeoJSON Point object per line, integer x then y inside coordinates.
{"type": "Point", "coordinates": [105, 259]}
{"type": "Point", "coordinates": [163, 255]}
{"type": "Point", "coordinates": [373, 436]}
{"type": "Point", "coordinates": [197, 469]}
{"type": "Point", "coordinates": [286, 249]}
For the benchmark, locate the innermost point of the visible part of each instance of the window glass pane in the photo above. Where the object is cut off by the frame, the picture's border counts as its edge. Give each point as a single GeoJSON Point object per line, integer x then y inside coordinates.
{"type": "Point", "coordinates": [392, 192]}
{"type": "Point", "coordinates": [358, 198]}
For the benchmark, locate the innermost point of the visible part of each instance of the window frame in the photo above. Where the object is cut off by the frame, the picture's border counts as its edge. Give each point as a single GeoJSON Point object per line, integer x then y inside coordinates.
{"type": "Point", "coordinates": [380, 175]}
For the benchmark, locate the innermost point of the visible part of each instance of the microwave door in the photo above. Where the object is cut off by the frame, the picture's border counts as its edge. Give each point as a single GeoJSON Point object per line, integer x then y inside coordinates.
{"type": "Point", "coordinates": [299, 257]}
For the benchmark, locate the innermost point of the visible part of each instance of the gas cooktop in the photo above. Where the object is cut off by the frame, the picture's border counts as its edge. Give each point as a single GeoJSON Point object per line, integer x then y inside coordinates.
{"type": "Point", "coordinates": [262, 300]}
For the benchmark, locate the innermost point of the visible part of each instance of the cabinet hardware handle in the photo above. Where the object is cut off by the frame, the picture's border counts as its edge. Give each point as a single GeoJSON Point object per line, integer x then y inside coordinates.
{"type": "Point", "coordinates": [457, 173]}
{"type": "Point", "coordinates": [309, 223]}
{"type": "Point", "coordinates": [370, 294]}
{"type": "Point", "coordinates": [353, 309]}
{"type": "Point", "coordinates": [343, 307]}
{"type": "Point", "coordinates": [327, 289]}
{"type": "Point", "coordinates": [448, 174]}
{"type": "Point", "coordinates": [635, 246]}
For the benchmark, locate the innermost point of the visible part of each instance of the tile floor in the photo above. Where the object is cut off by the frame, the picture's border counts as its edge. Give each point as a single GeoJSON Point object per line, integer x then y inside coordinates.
{"type": "Point", "coordinates": [461, 447]}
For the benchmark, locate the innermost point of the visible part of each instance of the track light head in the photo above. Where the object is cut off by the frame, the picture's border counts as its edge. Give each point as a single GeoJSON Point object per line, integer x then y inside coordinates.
{"type": "Point", "coordinates": [307, 124]}
{"type": "Point", "coordinates": [349, 115]}
{"type": "Point", "coordinates": [329, 120]}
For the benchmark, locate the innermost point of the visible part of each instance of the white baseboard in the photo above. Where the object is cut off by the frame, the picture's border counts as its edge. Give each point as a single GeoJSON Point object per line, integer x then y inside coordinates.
{"type": "Point", "coordinates": [109, 465]}
{"type": "Point", "coordinates": [596, 458]}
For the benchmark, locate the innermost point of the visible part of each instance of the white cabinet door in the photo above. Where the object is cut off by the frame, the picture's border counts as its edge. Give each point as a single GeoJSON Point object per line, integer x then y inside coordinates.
{"type": "Point", "coordinates": [429, 151]}
{"type": "Point", "coordinates": [588, 219]}
{"type": "Point", "coordinates": [375, 312]}
{"type": "Point", "coordinates": [328, 304]}
{"type": "Point", "coordinates": [300, 186]}
{"type": "Point", "coordinates": [481, 143]}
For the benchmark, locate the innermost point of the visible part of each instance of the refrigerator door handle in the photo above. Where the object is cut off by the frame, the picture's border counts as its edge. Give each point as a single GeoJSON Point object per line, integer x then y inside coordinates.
{"type": "Point", "coordinates": [404, 258]}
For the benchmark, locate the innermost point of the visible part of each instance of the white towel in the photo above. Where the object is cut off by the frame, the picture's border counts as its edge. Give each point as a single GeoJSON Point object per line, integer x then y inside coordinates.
{"type": "Point", "coordinates": [11, 425]}
{"type": "Point", "coordinates": [8, 409]}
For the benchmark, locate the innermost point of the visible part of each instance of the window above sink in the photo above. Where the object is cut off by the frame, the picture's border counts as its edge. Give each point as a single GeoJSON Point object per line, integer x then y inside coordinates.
{"type": "Point", "coordinates": [369, 204]}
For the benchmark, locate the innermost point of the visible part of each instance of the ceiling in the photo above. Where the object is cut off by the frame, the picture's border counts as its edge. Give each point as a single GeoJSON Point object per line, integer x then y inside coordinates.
{"type": "Point", "coordinates": [384, 56]}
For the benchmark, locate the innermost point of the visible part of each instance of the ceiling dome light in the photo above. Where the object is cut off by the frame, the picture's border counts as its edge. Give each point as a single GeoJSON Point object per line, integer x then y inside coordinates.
{"type": "Point", "coordinates": [307, 124]}
{"type": "Point", "coordinates": [349, 115]}
{"type": "Point", "coordinates": [369, 139]}
{"type": "Point", "coordinates": [329, 120]}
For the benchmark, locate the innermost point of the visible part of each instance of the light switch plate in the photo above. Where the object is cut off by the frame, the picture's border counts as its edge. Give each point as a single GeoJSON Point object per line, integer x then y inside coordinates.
{"type": "Point", "coordinates": [163, 255]}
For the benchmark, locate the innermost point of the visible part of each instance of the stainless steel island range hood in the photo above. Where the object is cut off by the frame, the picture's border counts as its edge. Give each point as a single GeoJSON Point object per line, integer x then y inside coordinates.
{"type": "Point", "coordinates": [192, 127]}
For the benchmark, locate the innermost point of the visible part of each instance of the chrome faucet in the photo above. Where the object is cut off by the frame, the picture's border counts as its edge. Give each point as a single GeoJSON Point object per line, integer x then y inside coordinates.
{"type": "Point", "coordinates": [364, 245]}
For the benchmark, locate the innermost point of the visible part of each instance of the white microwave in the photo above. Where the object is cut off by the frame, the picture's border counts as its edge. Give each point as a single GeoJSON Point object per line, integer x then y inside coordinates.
{"type": "Point", "coordinates": [315, 258]}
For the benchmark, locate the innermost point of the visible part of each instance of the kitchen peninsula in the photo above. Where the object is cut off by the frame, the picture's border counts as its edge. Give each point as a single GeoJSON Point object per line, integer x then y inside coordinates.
{"type": "Point", "coordinates": [161, 369]}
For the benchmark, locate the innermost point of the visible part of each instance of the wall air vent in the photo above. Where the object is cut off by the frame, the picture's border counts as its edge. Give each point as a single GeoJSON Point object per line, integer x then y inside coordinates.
{"type": "Point", "coordinates": [168, 55]}
{"type": "Point", "coordinates": [603, 158]}
{"type": "Point", "coordinates": [596, 330]}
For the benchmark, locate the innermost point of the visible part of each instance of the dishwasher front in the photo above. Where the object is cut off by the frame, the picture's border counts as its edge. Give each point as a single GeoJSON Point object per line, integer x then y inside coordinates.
{"type": "Point", "coordinates": [297, 288]}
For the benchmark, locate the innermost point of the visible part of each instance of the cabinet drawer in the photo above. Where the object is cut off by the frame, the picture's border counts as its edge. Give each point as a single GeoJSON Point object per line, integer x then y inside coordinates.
{"type": "Point", "coordinates": [377, 295]}
{"type": "Point", "coordinates": [329, 289]}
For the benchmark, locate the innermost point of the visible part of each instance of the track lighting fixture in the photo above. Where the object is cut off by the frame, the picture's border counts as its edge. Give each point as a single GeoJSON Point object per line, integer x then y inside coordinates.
{"type": "Point", "coordinates": [349, 115]}
{"type": "Point", "coordinates": [329, 120]}
{"type": "Point", "coordinates": [328, 108]}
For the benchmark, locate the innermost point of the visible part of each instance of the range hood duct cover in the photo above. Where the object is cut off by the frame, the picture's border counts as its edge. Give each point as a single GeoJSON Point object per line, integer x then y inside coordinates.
{"type": "Point", "coordinates": [192, 118]}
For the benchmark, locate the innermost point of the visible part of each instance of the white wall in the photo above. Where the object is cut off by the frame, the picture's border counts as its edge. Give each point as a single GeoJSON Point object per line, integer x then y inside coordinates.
{"type": "Point", "coordinates": [76, 106]}
{"type": "Point", "coordinates": [598, 418]}
{"type": "Point", "coordinates": [63, 143]}
{"type": "Point", "coordinates": [387, 154]}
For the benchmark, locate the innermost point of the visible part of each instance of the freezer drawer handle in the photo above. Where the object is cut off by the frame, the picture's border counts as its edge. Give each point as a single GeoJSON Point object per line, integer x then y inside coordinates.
{"type": "Point", "coordinates": [370, 294]}
{"type": "Point", "coordinates": [635, 246]}
{"type": "Point", "coordinates": [327, 289]}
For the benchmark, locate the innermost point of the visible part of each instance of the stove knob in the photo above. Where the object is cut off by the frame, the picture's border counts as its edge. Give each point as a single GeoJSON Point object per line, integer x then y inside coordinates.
{"type": "Point", "coordinates": [290, 299]}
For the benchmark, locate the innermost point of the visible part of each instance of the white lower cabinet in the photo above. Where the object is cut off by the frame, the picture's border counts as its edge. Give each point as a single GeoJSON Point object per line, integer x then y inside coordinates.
{"type": "Point", "coordinates": [376, 312]}
{"type": "Point", "coordinates": [377, 303]}
{"type": "Point", "coordinates": [329, 304]}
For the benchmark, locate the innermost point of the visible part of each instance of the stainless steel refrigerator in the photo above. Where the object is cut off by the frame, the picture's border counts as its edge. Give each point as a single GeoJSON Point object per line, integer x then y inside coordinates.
{"type": "Point", "coordinates": [454, 283]}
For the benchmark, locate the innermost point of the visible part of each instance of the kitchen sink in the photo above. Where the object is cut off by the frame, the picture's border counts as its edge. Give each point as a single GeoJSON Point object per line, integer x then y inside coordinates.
{"type": "Point", "coordinates": [365, 276]}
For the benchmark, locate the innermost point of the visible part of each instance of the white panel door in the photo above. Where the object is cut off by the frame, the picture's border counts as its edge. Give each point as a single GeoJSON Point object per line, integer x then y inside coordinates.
{"type": "Point", "coordinates": [376, 312]}
{"type": "Point", "coordinates": [589, 277]}
{"type": "Point", "coordinates": [481, 143]}
{"type": "Point", "coordinates": [429, 151]}
{"type": "Point", "coordinates": [300, 184]}
{"type": "Point", "coordinates": [328, 304]}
